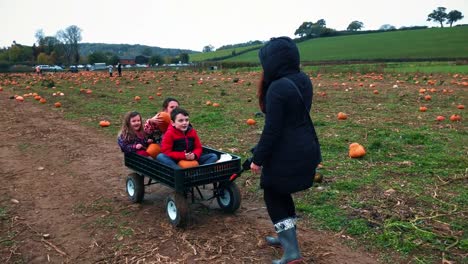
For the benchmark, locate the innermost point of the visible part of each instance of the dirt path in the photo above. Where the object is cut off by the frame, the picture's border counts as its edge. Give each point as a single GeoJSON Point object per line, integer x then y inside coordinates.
{"type": "Point", "coordinates": [63, 201]}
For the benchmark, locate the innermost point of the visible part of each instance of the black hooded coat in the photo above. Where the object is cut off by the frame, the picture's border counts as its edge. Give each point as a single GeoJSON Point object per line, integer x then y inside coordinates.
{"type": "Point", "coordinates": [288, 148]}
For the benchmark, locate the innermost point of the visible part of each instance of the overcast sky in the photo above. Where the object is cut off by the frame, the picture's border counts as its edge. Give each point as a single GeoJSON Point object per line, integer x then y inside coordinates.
{"type": "Point", "coordinates": [193, 24]}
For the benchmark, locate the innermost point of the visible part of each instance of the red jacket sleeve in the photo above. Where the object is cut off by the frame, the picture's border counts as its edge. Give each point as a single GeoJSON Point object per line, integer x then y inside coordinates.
{"type": "Point", "coordinates": [197, 148]}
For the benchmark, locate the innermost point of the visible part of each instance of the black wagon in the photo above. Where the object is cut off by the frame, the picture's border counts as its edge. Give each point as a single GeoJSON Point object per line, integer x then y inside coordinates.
{"type": "Point", "coordinates": [186, 183]}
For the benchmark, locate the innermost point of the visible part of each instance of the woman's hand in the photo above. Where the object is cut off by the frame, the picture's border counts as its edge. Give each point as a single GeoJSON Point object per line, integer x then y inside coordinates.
{"type": "Point", "coordinates": [139, 146]}
{"type": "Point", "coordinates": [255, 168]}
{"type": "Point", "coordinates": [150, 140]}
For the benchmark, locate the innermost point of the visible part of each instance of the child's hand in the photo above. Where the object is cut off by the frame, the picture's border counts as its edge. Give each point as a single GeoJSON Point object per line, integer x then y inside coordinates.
{"type": "Point", "coordinates": [139, 146]}
{"type": "Point", "coordinates": [155, 121]}
{"type": "Point", "coordinates": [150, 140]}
{"type": "Point", "coordinates": [189, 156]}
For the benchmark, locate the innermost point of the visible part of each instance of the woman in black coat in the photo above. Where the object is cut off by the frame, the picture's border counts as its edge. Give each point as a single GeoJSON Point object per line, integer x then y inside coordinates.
{"type": "Point", "coordinates": [288, 151]}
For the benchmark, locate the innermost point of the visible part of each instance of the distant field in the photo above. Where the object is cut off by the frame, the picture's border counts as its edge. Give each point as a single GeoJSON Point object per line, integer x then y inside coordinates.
{"type": "Point", "coordinates": [216, 54]}
{"type": "Point", "coordinates": [412, 44]}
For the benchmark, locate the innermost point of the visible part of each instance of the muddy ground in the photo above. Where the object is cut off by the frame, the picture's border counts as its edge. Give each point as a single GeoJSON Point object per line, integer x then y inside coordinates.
{"type": "Point", "coordinates": [63, 200]}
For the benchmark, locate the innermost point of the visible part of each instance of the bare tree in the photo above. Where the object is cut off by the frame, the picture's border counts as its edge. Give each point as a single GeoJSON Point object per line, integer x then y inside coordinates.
{"type": "Point", "coordinates": [70, 38]}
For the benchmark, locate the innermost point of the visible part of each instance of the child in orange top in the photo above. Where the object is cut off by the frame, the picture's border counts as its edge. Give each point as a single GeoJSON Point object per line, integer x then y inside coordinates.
{"type": "Point", "coordinates": [132, 137]}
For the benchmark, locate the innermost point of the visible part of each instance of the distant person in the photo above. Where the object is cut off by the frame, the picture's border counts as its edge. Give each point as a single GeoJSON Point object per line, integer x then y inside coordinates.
{"type": "Point", "coordinates": [132, 137]}
{"type": "Point", "coordinates": [119, 69]}
{"type": "Point", "coordinates": [181, 142]}
{"type": "Point", "coordinates": [153, 126]}
{"type": "Point", "coordinates": [38, 70]}
{"type": "Point", "coordinates": [110, 70]}
{"type": "Point", "coordinates": [288, 151]}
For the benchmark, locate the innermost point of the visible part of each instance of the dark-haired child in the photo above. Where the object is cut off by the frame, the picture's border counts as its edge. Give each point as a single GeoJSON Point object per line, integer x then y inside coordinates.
{"type": "Point", "coordinates": [181, 142]}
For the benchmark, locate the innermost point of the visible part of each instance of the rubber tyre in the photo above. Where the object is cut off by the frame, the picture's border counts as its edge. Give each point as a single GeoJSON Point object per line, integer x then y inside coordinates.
{"type": "Point", "coordinates": [135, 186]}
{"type": "Point", "coordinates": [177, 210]}
{"type": "Point", "coordinates": [229, 197]}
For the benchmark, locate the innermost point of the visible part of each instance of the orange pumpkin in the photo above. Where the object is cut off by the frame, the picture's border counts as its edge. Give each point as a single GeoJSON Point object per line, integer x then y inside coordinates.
{"type": "Point", "coordinates": [19, 98]}
{"type": "Point", "coordinates": [153, 149]}
{"type": "Point", "coordinates": [356, 150]}
{"type": "Point", "coordinates": [58, 104]}
{"type": "Point", "coordinates": [104, 123]}
{"type": "Point", "coordinates": [165, 119]}
{"type": "Point", "coordinates": [342, 116]}
{"type": "Point", "coordinates": [251, 122]}
{"type": "Point", "coordinates": [422, 109]}
{"type": "Point", "coordinates": [455, 118]}
{"type": "Point", "coordinates": [460, 106]}
{"type": "Point", "coordinates": [43, 101]}
{"type": "Point", "coordinates": [184, 164]}
{"type": "Point", "coordinates": [216, 104]}
{"type": "Point", "coordinates": [440, 118]}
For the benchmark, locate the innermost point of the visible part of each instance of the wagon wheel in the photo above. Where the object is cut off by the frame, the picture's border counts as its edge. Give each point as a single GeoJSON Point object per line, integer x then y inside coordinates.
{"type": "Point", "coordinates": [177, 209]}
{"type": "Point", "coordinates": [135, 187]}
{"type": "Point", "coordinates": [229, 197]}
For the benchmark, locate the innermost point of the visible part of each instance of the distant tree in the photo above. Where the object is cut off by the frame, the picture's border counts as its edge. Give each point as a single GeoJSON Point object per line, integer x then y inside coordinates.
{"type": "Point", "coordinates": [147, 52]}
{"type": "Point", "coordinates": [304, 30]}
{"type": "Point", "coordinates": [43, 58]}
{"type": "Point", "coordinates": [156, 59]}
{"type": "Point", "coordinates": [184, 58]}
{"type": "Point", "coordinates": [387, 27]}
{"type": "Point", "coordinates": [70, 37]}
{"type": "Point", "coordinates": [310, 29]}
{"type": "Point", "coordinates": [208, 48]}
{"type": "Point", "coordinates": [50, 43]}
{"type": "Point", "coordinates": [438, 15]}
{"type": "Point", "coordinates": [355, 25]}
{"type": "Point", "coordinates": [40, 37]}
{"type": "Point", "coordinates": [454, 16]}
{"type": "Point", "coordinates": [113, 60]}
{"type": "Point", "coordinates": [20, 54]}
{"type": "Point", "coordinates": [97, 57]}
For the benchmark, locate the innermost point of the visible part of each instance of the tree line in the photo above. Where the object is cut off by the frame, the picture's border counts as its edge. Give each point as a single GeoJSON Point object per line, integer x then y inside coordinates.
{"type": "Point", "coordinates": [64, 47]}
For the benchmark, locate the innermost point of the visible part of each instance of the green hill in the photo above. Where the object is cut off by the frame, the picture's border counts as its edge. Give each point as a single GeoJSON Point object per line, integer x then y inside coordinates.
{"type": "Point", "coordinates": [433, 43]}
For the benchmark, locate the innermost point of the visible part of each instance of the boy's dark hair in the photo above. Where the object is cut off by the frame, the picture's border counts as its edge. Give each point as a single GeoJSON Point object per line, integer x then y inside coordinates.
{"type": "Point", "coordinates": [177, 111]}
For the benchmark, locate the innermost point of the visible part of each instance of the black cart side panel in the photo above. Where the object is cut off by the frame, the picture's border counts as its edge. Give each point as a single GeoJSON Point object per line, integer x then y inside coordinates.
{"type": "Point", "coordinates": [183, 179]}
{"type": "Point", "coordinates": [150, 168]}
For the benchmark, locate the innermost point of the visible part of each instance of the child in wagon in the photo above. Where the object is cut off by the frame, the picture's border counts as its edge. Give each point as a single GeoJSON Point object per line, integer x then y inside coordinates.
{"type": "Point", "coordinates": [181, 142]}
{"type": "Point", "coordinates": [132, 137]}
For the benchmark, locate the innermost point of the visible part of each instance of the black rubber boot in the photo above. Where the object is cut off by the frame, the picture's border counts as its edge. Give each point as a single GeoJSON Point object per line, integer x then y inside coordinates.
{"type": "Point", "coordinates": [273, 241]}
{"type": "Point", "coordinates": [288, 239]}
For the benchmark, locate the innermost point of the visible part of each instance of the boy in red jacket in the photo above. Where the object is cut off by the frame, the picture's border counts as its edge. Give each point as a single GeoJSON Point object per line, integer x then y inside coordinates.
{"type": "Point", "coordinates": [181, 142]}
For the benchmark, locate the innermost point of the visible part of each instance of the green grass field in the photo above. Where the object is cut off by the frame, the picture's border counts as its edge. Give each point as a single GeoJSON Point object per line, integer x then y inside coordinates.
{"type": "Point", "coordinates": [406, 200]}
{"type": "Point", "coordinates": [411, 44]}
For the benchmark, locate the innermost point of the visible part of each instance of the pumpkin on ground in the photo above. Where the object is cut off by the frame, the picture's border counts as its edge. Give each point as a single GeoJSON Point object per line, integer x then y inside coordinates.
{"type": "Point", "coordinates": [356, 150]}
{"type": "Point", "coordinates": [251, 122]}
{"type": "Point", "coordinates": [455, 118]}
{"type": "Point", "coordinates": [104, 123]}
{"type": "Point", "coordinates": [342, 116]}
{"type": "Point", "coordinates": [153, 149]}
{"type": "Point", "coordinates": [184, 164]}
